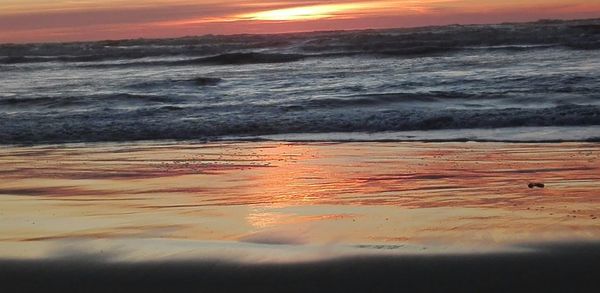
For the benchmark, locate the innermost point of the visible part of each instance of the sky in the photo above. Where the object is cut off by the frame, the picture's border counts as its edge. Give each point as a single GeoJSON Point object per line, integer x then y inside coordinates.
{"type": "Point", "coordinates": [82, 20]}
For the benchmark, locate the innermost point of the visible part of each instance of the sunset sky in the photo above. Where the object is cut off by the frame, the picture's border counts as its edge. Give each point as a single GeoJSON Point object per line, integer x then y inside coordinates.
{"type": "Point", "coordinates": [71, 20]}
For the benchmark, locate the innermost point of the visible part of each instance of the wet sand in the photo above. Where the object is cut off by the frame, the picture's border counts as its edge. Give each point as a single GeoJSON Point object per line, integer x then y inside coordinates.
{"type": "Point", "coordinates": [566, 268]}
{"type": "Point", "coordinates": [273, 216]}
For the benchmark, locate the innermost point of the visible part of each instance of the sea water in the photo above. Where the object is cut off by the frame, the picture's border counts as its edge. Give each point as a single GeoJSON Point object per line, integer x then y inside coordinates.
{"type": "Point", "coordinates": [537, 81]}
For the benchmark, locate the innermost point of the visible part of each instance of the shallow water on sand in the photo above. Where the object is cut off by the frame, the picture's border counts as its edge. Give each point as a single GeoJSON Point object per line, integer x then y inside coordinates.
{"type": "Point", "coordinates": [276, 201]}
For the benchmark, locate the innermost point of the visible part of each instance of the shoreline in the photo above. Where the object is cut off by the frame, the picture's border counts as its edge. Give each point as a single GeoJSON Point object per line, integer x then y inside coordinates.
{"type": "Point", "coordinates": [535, 134]}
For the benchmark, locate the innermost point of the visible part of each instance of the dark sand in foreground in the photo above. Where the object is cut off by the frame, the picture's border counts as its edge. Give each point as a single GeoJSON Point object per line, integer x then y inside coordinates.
{"type": "Point", "coordinates": [564, 268]}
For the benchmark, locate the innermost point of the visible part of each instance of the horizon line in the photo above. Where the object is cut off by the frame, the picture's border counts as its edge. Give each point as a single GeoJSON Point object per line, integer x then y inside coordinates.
{"type": "Point", "coordinates": [301, 31]}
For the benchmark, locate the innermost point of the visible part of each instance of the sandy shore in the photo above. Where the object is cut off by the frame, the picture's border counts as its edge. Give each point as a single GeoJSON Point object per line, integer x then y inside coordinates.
{"type": "Point", "coordinates": [566, 268]}
{"type": "Point", "coordinates": [458, 213]}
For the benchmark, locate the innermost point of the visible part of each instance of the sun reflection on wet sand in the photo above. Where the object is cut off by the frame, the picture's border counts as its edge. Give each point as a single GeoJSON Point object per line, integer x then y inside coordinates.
{"type": "Point", "coordinates": [457, 195]}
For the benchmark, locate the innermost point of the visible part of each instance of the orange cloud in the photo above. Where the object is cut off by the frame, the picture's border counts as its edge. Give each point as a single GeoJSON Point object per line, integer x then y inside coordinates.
{"type": "Point", "coordinates": [67, 20]}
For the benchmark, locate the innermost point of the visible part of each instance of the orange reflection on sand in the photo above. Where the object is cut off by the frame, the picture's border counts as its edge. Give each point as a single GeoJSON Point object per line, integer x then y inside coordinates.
{"type": "Point", "coordinates": [455, 193]}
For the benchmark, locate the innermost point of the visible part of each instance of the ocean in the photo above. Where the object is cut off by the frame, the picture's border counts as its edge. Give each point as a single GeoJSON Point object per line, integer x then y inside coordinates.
{"type": "Point", "coordinates": [507, 82]}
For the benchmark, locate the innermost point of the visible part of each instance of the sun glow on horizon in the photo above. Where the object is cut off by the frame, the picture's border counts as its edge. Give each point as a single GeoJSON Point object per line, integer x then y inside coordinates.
{"type": "Point", "coordinates": [304, 12]}
{"type": "Point", "coordinates": [86, 20]}
{"type": "Point", "coordinates": [301, 13]}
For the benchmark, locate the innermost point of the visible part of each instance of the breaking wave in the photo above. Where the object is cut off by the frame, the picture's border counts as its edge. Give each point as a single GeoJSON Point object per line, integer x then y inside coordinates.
{"type": "Point", "coordinates": [171, 122]}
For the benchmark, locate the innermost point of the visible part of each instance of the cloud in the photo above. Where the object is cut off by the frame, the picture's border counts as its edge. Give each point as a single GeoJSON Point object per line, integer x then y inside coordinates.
{"type": "Point", "coordinates": [27, 20]}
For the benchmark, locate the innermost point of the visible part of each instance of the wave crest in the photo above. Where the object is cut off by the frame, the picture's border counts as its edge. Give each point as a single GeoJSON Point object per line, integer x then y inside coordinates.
{"type": "Point", "coordinates": [193, 123]}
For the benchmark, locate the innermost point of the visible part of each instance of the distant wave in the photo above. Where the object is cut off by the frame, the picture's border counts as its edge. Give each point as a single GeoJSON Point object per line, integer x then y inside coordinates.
{"type": "Point", "coordinates": [22, 59]}
{"type": "Point", "coordinates": [243, 58]}
{"type": "Point", "coordinates": [91, 100]}
{"type": "Point", "coordinates": [385, 98]}
{"type": "Point", "coordinates": [250, 49]}
{"type": "Point", "coordinates": [171, 122]}
{"type": "Point", "coordinates": [585, 46]}
{"type": "Point", "coordinates": [62, 58]}
{"type": "Point", "coordinates": [221, 59]}
{"type": "Point", "coordinates": [250, 58]}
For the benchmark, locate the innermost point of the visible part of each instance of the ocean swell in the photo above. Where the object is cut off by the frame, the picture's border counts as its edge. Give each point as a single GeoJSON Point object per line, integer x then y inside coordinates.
{"type": "Point", "coordinates": [190, 123]}
{"type": "Point", "coordinates": [251, 49]}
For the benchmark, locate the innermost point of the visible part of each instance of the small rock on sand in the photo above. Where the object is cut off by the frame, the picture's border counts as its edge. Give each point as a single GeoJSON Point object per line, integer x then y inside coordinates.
{"type": "Point", "coordinates": [536, 185]}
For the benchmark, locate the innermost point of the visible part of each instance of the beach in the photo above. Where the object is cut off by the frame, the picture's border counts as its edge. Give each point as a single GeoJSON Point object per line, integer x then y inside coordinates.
{"type": "Point", "coordinates": [268, 214]}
